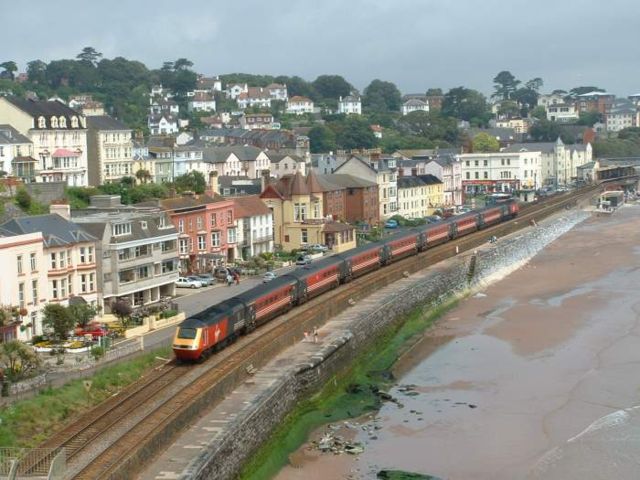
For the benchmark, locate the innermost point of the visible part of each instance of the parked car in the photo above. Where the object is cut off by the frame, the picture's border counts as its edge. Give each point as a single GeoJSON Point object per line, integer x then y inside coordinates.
{"type": "Point", "coordinates": [94, 329]}
{"type": "Point", "coordinates": [267, 277]}
{"type": "Point", "coordinates": [206, 279]}
{"type": "Point", "coordinates": [188, 282]}
{"type": "Point", "coordinates": [317, 247]}
{"type": "Point", "coordinates": [303, 260]}
{"type": "Point", "coordinates": [391, 224]}
{"type": "Point", "coordinates": [432, 218]}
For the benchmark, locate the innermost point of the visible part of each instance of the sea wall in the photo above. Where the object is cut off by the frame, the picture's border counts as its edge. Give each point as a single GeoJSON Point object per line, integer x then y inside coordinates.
{"type": "Point", "coordinates": [356, 329]}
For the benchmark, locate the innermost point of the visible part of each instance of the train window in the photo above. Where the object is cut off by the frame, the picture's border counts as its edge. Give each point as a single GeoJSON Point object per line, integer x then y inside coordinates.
{"type": "Point", "coordinates": [188, 333]}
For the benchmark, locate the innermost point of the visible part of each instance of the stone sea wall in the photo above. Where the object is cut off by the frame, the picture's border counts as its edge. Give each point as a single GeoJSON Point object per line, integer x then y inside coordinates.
{"type": "Point", "coordinates": [356, 329]}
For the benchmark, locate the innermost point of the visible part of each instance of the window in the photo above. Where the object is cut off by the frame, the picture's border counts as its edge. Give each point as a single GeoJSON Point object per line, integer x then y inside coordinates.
{"type": "Point", "coordinates": [502, 161]}
{"type": "Point", "coordinates": [213, 219]}
{"type": "Point", "coordinates": [63, 288]}
{"type": "Point", "coordinates": [304, 235]}
{"type": "Point", "coordinates": [181, 225]}
{"type": "Point", "coordinates": [229, 217]}
{"type": "Point", "coordinates": [70, 282]}
{"type": "Point", "coordinates": [143, 272]}
{"type": "Point", "coordinates": [32, 261]}
{"type": "Point", "coordinates": [190, 225]}
{"type": "Point", "coordinates": [162, 222]}
{"type": "Point", "coordinates": [231, 235]}
{"type": "Point", "coordinates": [143, 224]}
{"type": "Point", "coordinates": [120, 229]}
{"type": "Point", "coordinates": [316, 210]}
{"type": "Point", "coordinates": [184, 246]}
{"type": "Point", "coordinates": [19, 264]}
{"type": "Point", "coordinates": [124, 254]}
{"type": "Point", "coordinates": [126, 276]}
{"type": "Point", "coordinates": [477, 175]}
{"type": "Point", "coordinates": [168, 266]}
{"type": "Point", "coordinates": [202, 243]}
{"type": "Point", "coordinates": [34, 291]}
{"type": "Point", "coordinates": [199, 223]}
{"type": "Point", "coordinates": [62, 263]}
{"type": "Point", "coordinates": [21, 294]}
{"type": "Point", "coordinates": [467, 163]}
{"type": "Point", "coordinates": [468, 175]}
{"type": "Point", "coordinates": [299, 212]}
{"type": "Point", "coordinates": [476, 163]}
{"type": "Point", "coordinates": [62, 122]}
{"type": "Point", "coordinates": [54, 288]}
{"type": "Point", "coordinates": [215, 239]}
{"type": "Point", "coordinates": [486, 175]}
{"type": "Point", "coordinates": [42, 123]}
{"type": "Point", "coordinates": [53, 261]}
{"type": "Point", "coordinates": [142, 251]}
{"type": "Point", "coordinates": [486, 162]}
{"type": "Point", "coordinates": [84, 283]}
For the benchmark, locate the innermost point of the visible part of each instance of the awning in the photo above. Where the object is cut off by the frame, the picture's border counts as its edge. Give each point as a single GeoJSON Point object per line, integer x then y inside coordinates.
{"type": "Point", "coordinates": [63, 152]}
{"type": "Point", "coordinates": [23, 160]}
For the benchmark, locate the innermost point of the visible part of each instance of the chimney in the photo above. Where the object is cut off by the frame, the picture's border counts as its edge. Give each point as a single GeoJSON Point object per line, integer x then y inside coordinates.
{"type": "Point", "coordinates": [265, 176]}
{"type": "Point", "coordinates": [414, 172]}
{"type": "Point", "coordinates": [400, 172]}
{"type": "Point", "coordinates": [62, 209]}
{"type": "Point", "coordinates": [213, 183]}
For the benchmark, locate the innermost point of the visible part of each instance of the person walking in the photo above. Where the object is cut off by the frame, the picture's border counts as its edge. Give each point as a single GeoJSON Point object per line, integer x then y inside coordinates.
{"type": "Point", "coordinates": [229, 279]}
{"type": "Point", "coordinates": [236, 275]}
{"type": "Point", "coordinates": [315, 334]}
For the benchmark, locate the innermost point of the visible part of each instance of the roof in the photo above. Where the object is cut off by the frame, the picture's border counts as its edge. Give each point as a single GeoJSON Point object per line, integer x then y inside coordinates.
{"type": "Point", "coordinates": [299, 99]}
{"type": "Point", "coordinates": [43, 108]}
{"type": "Point", "coordinates": [220, 154]}
{"type": "Point", "coordinates": [56, 231]}
{"type": "Point", "coordinates": [544, 147]}
{"type": "Point", "coordinates": [289, 185]}
{"type": "Point", "coordinates": [345, 180]}
{"type": "Point", "coordinates": [429, 179]}
{"type": "Point", "coordinates": [276, 157]}
{"type": "Point", "coordinates": [414, 102]}
{"type": "Point", "coordinates": [350, 98]}
{"type": "Point", "coordinates": [189, 201]}
{"type": "Point", "coordinates": [249, 206]}
{"type": "Point", "coordinates": [9, 135]}
{"type": "Point", "coordinates": [274, 86]}
{"type": "Point", "coordinates": [105, 122]}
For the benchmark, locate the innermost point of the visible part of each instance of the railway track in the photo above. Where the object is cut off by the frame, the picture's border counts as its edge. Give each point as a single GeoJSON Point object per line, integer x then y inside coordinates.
{"type": "Point", "coordinates": [137, 423]}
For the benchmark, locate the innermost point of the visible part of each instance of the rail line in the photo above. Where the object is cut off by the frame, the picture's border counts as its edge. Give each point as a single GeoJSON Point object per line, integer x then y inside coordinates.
{"type": "Point", "coordinates": [158, 420]}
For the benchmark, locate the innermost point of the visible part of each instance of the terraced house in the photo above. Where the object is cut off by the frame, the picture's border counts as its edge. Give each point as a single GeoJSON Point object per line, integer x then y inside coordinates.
{"type": "Point", "coordinates": [58, 135]}
{"type": "Point", "coordinates": [137, 250]}
{"type": "Point", "coordinates": [110, 150]}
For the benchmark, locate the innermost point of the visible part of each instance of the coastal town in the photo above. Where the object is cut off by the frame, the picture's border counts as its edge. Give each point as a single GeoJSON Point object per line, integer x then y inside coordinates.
{"type": "Point", "coordinates": [138, 204]}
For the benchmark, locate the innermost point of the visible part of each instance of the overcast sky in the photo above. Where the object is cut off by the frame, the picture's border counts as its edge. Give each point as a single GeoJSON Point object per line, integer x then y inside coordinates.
{"type": "Point", "coordinates": [416, 44]}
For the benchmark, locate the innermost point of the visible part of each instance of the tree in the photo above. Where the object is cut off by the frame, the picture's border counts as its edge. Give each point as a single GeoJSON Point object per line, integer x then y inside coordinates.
{"type": "Point", "coordinates": [89, 55]}
{"type": "Point", "coordinates": [574, 92]}
{"type": "Point", "coordinates": [466, 104]}
{"type": "Point", "coordinates": [527, 98]}
{"type": "Point", "coordinates": [322, 139]}
{"type": "Point", "coordinates": [430, 125]}
{"type": "Point", "coordinates": [83, 313]}
{"type": "Point", "coordinates": [182, 64]}
{"type": "Point", "coordinates": [534, 84]}
{"type": "Point", "coordinates": [509, 108]}
{"type": "Point", "coordinates": [58, 320]}
{"type": "Point", "coordinates": [296, 86]}
{"type": "Point", "coordinates": [545, 131]}
{"type": "Point", "coordinates": [380, 96]}
{"type": "Point", "coordinates": [485, 143]}
{"type": "Point", "coordinates": [330, 87]}
{"type": "Point", "coordinates": [539, 112]}
{"type": "Point", "coordinates": [589, 118]}
{"type": "Point", "coordinates": [122, 310]}
{"type": "Point", "coordinates": [193, 181]}
{"type": "Point", "coordinates": [434, 92]}
{"type": "Point", "coordinates": [505, 85]}
{"type": "Point", "coordinates": [37, 72]}
{"type": "Point", "coordinates": [143, 176]}
{"type": "Point", "coordinates": [18, 359]}
{"type": "Point", "coordinates": [353, 132]}
{"type": "Point", "coordinates": [10, 68]}
{"type": "Point", "coordinates": [23, 199]}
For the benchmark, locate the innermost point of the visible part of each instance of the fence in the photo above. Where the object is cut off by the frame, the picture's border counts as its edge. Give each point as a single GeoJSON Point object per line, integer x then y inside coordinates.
{"type": "Point", "coordinates": [32, 462]}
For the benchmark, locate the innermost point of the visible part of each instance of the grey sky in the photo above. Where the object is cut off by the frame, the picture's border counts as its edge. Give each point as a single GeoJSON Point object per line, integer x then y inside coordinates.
{"type": "Point", "coordinates": [416, 44]}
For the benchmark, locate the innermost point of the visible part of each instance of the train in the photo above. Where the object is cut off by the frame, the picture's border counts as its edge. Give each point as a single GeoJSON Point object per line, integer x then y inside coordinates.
{"type": "Point", "coordinates": [212, 329]}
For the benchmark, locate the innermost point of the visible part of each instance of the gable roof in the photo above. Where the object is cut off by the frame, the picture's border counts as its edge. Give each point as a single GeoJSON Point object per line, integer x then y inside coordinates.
{"type": "Point", "coordinates": [249, 206]}
{"type": "Point", "coordinates": [38, 108]}
{"type": "Point", "coordinates": [220, 154]}
{"type": "Point", "coordinates": [56, 231]}
{"type": "Point", "coordinates": [356, 159]}
{"type": "Point", "coordinates": [544, 147]}
{"type": "Point", "coordinates": [9, 135]}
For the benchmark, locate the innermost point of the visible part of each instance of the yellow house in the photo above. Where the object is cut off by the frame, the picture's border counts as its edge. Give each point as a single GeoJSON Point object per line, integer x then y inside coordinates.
{"type": "Point", "coordinates": [297, 217]}
{"type": "Point", "coordinates": [419, 196]}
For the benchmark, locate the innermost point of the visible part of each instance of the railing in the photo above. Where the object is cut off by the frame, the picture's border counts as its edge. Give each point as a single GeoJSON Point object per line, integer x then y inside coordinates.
{"type": "Point", "coordinates": [32, 462]}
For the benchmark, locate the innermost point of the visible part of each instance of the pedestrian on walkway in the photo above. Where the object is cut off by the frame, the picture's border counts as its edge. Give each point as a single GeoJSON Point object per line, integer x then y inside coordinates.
{"type": "Point", "coordinates": [306, 336]}
{"type": "Point", "coordinates": [236, 275]}
{"type": "Point", "coordinates": [315, 334]}
{"type": "Point", "coordinates": [229, 280]}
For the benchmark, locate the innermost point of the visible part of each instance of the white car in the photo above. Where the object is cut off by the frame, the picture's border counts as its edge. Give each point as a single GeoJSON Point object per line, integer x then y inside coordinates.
{"type": "Point", "coordinates": [184, 282]}
{"type": "Point", "coordinates": [318, 247]}
{"type": "Point", "coordinates": [267, 277]}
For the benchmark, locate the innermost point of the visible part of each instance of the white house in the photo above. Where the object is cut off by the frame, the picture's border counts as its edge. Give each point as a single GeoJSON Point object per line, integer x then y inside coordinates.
{"type": "Point", "coordinates": [16, 154]}
{"type": "Point", "coordinates": [254, 97]}
{"type": "Point", "coordinates": [550, 99]}
{"type": "Point", "coordinates": [414, 105]}
{"type": "Point", "coordinates": [621, 117]}
{"type": "Point", "coordinates": [254, 222]}
{"type": "Point", "coordinates": [202, 102]}
{"type": "Point", "coordinates": [284, 164]}
{"type": "Point", "coordinates": [350, 105]}
{"type": "Point", "coordinates": [501, 172]}
{"type": "Point", "coordinates": [299, 105]}
{"type": "Point", "coordinates": [236, 161]}
{"type": "Point", "coordinates": [278, 91]}
{"type": "Point", "coordinates": [235, 89]}
{"type": "Point", "coordinates": [562, 112]}
{"type": "Point", "coordinates": [162, 124]}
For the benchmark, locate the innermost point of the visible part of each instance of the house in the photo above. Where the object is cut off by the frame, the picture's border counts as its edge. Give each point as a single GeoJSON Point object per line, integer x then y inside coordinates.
{"type": "Point", "coordinates": [562, 112]}
{"type": "Point", "coordinates": [254, 224]}
{"type": "Point", "coordinates": [144, 166]}
{"type": "Point", "coordinates": [285, 164]}
{"type": "Point", "coordinates": [254, 97]}
{"type": "Point", "coordinates": [623, 114]}
{"type": "Point", "coordinates": [162, 124]}
{"type": "Point", "coordinates": [16, 154]}
{"type": "Point", "coordinates": [595, 102]}
{"type": "Point", "coordinates": [253, 121]}
{"type": "Point", "coordinates": [550, 99]}
{"type": "Point", "coordinates": [448, 170]}
{"type": "Point", "coordinates": [66, 257]}
{"type": "Point", "coordinates": [505, 171]}
{"type": "Point", "coordinates": [298, 219]}
{"type": "Point", "coordinates": [236, 89]}
{"type": "Point", "coordinates": [419, 196]}
{"type": "Point", "coordinates": [278, 91]}
{"type": "Point", "coordinates": [163, 106]}
{"type": "Point", "coordinates": [324, 162]}
{"type": "Point", "coordinates": [237, 186]}
{"type": "Point", "coordinates": [414, 105]}
{"type": "Point", "coordinates": [383, 172]}
{"type": "Point", "coordinates": [377, 130]}
{"type": "Point", "coordinates": [350, 105]}
{"type": "Point", "coordinates": [110, 150]}
{"type": "Point", "coordinates": [299, 105]}
{"type": "Point", "coordinates": [58, 135]}
{"type": "Point", "coordinates": [209, 84]}
{"type": "Point", "coordinates": [201, 102]}
{"type": "Point", "coordinates": [518, 125]}
{"type": "Point", "coordinates": [136, 251]}
{"type": "Point", "coordinates": [236, 160]}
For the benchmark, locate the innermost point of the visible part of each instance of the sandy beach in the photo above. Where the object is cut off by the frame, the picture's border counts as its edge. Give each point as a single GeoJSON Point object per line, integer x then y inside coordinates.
{"type": "Point", "coordinates": [510, 382]}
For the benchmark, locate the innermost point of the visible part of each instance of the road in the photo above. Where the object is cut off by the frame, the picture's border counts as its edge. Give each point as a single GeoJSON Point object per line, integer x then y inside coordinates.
{"type": "Point", "coordinates": [194, 301]}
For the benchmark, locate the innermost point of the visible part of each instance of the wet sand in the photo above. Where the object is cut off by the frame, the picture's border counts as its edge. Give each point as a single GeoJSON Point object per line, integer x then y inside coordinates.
{"type": "Point", "coordinates": [511, 380]}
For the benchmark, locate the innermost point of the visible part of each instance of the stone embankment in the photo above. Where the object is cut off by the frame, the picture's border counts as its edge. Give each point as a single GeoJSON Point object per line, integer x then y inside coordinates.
{"type": "Point", "coordinates": [244, 421]}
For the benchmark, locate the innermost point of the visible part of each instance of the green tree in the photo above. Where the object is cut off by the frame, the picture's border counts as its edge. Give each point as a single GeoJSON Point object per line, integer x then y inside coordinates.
{"type": "Point", "coordinates": [330, 87]}
{"type": "Point", "coordinates": [527, 98]}
{"type": "Point", "coordinates": [90, 56]}
{"type": "Point", "coordinates": [353, 132]}
{"type": "Point", "coordinates": [545, 131]}
{"type": "Point", "coordinates": [122, 310]}
{"type": "Point", "coordinates": [82, 313]}
{"type": "Point", "coordinates": [485, 143]}
{"type": "Point", "coordinates": [574, 92]}
{"type": "Point", "coordinates": [10, 68]}
{"type": "Point", "coordinates": [380, 96]}
{"type": "Point", "coordinates": [434, 92]}
{"type": "Point", "coordinates": [23, 199]}
{"type": "Point", "coordinates": [466, 104]}
{"type": "Point", "coordinates": [296, 86]}
{"type": "Point", "coordinates": [539, 112]}
{"type": "Point", "coordinates": [58, 320]}
{"type": "Point", "coordinates": [182, 64]}
{"type": "Point", "coordinates": [193, 181]}
{"type": "Point", "coordinates": [505, 84]}
{"type": "Point", "coordinates": [143, 176]}
{"type": "Point", "coordinates": [37, 71]}
{"type": "Point", "coordinates": [431, 125]}
{"type": "Point", "coordinates": [18, 359]}
{"type": "Point", "coordinates": [589, 118]}
{"type": "Point", "coordinates": [322, 139]}
{"type": "Point", "coordinates": [534, 84]}
{"type": "Point", "coordinates": [509, 108]}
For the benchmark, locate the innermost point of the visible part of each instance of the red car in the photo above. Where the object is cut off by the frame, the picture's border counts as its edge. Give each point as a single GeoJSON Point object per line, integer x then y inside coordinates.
{"type": "Point", "coordinates": [95, 330]}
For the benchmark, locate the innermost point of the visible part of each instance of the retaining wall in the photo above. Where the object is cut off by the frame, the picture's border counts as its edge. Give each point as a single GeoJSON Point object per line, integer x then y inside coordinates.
{"type": "Point", "coordinates": [226, 453]}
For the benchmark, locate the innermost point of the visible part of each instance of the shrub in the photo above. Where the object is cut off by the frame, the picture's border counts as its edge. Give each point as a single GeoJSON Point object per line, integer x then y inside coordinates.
{"type": "Point", "coordinates": [169, 313]}
{"type": "Point", "coordinates": [58, 319]}
{"type": "Point", "coordinates": [18, 359]}
{"type": "Point", "coordinates": [97, 352]}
